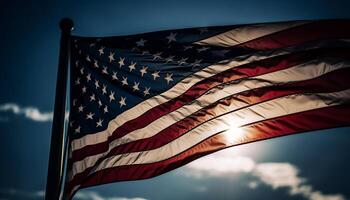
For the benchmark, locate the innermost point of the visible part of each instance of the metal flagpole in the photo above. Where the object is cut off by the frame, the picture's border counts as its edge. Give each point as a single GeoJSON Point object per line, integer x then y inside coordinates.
{"type": "Point", "coordinates": [55, 169]}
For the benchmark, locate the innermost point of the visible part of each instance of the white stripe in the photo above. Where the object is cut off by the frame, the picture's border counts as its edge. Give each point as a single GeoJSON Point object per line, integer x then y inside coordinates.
{"type": "Point", "coordinates": [274, 108]}
{"type": "Point", "coordinates": [247, 33]}
{"type": "Point", "coordinates": [176, 91]}
{"type": "Point", "coordinates": [305, 71]}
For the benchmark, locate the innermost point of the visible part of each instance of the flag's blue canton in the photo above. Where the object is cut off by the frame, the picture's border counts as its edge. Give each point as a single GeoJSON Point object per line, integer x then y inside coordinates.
{"type": "Point", "coordinates": [111, 75]}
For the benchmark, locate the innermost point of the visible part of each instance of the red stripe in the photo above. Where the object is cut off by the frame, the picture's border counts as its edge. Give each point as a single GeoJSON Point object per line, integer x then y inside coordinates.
{"type": "Point", "coordinates": [318, 30]}
{"type": "Point", "coordinates": [254, 69]}
{"type": "Point", "coordinates": [323, 118]}
{"type": "Point", "coordinates": [333, 81]}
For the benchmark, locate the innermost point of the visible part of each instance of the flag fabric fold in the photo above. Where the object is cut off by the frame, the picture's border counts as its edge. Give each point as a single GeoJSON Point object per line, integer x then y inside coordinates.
{"type": "Point", "coordinates": [142, 105]}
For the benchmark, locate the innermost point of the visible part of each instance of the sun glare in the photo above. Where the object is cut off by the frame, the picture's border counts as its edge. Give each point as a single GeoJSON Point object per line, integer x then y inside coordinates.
{"type": "Point", "coordinates": [237, 135]}
{"type": "Point", "coordinates": [233, 135]}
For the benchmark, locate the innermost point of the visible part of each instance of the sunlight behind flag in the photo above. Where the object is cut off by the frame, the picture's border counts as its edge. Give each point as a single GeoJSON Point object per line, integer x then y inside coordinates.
{"type": "Point", "coordinates": [234, 135]}
{"type": "Point", "coordinates": [145, 104]}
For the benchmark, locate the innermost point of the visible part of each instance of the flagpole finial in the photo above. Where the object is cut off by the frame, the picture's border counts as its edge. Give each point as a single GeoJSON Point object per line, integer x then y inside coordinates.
{"type": "Point", "coordinates": [66, 25]}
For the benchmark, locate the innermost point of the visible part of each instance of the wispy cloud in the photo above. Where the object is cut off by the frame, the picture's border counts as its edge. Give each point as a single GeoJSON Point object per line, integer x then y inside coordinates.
{"type": "Point", "coordinates": [279, 175]}
{"type": "Point", "coordinates": [253, 184]}
{"type": "Point", "coordinates": [276, 175]}
{"type": "Point", "coordinates": [40, 194]}
{"type": "Point", "coordinates": [92, 195]}
{"type": "Point", "coordinates": [219, 165]}
{"type": "Point", "coordinates": [32, 113]}
{"type": "Point", "coordinates": [12, 192]}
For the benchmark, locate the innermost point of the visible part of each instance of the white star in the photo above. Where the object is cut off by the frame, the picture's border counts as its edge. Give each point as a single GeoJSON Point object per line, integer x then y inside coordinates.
{"type": "Point", "coordinates": [121, 62]}
{"type": "Point", "coordinates": [99, 103]}
{"type": "Point", "coordinates": [77, 130]}
{"type": "Point", "coordinates": [182, 61]}
{"type": "Point", "coordinates": [111, 96]}
{"type": "Point", "coordinates": [88, 77]}
{"type": "Point", "coordinates": [101, 50]}
{"type": "Point", "coordinates": [135, 49]}
{"type": "Point", "coordinates": [122, 101]}
{"type": "Point", "coordinates": [155, 75]}
{"type": "Point", "coordinates": [88, 58]}
{"type": "Point", "coordinates": [168, 78]}
{"type": "Point", "coordinates": [92, 97]}
{"type": "Point", "coordinates": [71, 124]}
{"type": "Point", "coordinates": [187, 47]}
{"type": "Point", "coordinates": [99, 123]}
{"type": "Point", "coordinates": [143, 70]}
{"type": "Point", "coordinates": [81, 108]}
{"type": "Point", "coordinates": [97, 85]}
{"type": "Point", "coordinates": [104, 71]}
{"type": "Point", "coordinates": [114, 76]}
{"type": "Point", "coordinates": [125, 81]}
{"type": "Point", "coordinates": [196, 63]}
{"type": "Point", "coordinates": [111, 57]}
{"type": "Point", "coordinates": [202, 49]}
{"type": "Point", "coordinates": [77, 63]}
{"type": "Point", "coordinates": [171, 37]}
{"type": "Point", "coordinates": [141, 42]}
{"type": "Point", "coordinates": [145, 52]}
{"type": "Point", "coordinates": [157, 56]}
{"type": "Point", "coordinates": [90, 116]}
{"type": "Point", "coordinates": [77, 82]}
{"type": "Point", "coordinates": [83, 89]}
{"type": "Point", "coordinates": [74, 102]}
{"type": "Point", "coordinates": [105, 109]}
{"type": "Point", "coordinates": [146, 91]}
{"type": "Point", "coordinates": [96, 64]}
{"type": "Point", "coordinates": [135, 86]}
{"type": "Point", "coordinates": [104, 89]}
{"type": "Point", "coordinates": [170, 59]}
{"type": "Point", "coordinates": [132, 66]}
{"type": "Point", "coordinates": [81, 71]}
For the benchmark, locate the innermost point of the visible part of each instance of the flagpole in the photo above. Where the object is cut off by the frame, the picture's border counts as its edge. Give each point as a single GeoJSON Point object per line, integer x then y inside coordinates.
{"type": "Point", "coordinates": [55, 169]}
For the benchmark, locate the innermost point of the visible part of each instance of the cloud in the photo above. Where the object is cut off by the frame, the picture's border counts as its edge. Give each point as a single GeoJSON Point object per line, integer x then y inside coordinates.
{"type": "Point", "coordinates": [279, 175]}
{"type": "Point", "coordinates": [253, 184]}
{"type": "Point", "coordinates": [91, 195]}
{"type": "Point", "coordinates": [276, 175]}
{"type": "Point", "coordinates": [219, 165]}
{"type": "Point", "coordinates": [29, 112]}
{"type": "Point", "coordinates": [40, 194]}
{"type": "Point", "coordinates": [12, 192]}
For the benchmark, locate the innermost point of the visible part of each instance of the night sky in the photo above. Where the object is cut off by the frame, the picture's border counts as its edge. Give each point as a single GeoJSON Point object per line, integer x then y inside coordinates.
{"type": "Point", "coordinates": [310, 166]}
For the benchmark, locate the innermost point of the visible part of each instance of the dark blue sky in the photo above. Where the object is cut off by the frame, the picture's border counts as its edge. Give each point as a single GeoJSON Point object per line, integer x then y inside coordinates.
{"type": "Point", "coordinates": [29, 37]}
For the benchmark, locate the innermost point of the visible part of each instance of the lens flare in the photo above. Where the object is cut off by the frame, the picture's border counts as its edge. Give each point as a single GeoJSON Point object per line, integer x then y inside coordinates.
{"type": "Point", "coordinates": [233, 135]}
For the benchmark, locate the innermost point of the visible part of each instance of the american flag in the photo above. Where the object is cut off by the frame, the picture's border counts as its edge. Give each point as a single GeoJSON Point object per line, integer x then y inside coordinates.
{"type": "Point", "coordinates": [144, 104]}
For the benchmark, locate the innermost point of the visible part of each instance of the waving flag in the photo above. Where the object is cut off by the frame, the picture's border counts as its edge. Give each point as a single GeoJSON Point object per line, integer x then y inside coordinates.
{"type": "Point", "coordinates": [144, 104]}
